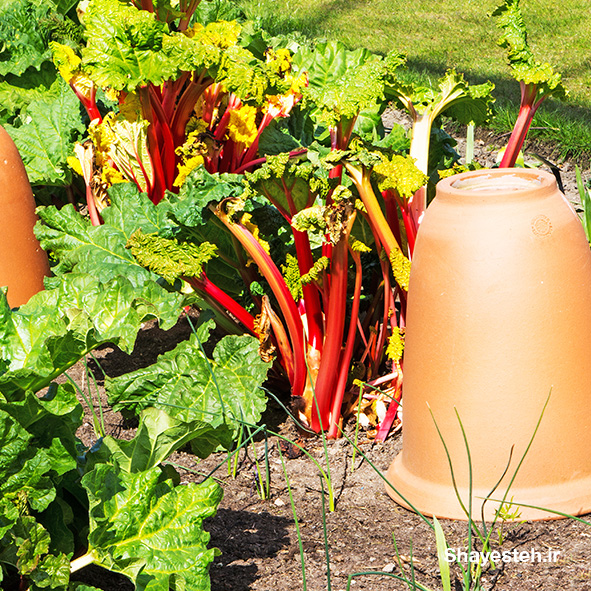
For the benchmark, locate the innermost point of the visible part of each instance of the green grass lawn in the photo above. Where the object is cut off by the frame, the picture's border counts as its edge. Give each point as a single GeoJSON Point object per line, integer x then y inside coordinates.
{"type": "Point", "coordinates": [440, 34]}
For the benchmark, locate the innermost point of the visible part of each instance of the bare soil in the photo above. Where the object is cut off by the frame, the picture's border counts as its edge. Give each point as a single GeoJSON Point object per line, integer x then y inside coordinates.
{"type": "Point", "coordinates": [258, 539]}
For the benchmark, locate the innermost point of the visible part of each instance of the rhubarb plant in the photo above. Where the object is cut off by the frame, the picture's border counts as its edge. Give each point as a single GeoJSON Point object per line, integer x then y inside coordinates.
{"type": "Point", "coordinates": [537, 80]}
{"type": "Point", "coordinates": [264, 183]}
{"type": "Point", "coordinates": [184, 94]}
{"type": "Point", "coordinates": [468, 104]}
{"type": "Point", "coordinates": [64, 505]}
{"type": "Point", "coordinates": [256, 213]}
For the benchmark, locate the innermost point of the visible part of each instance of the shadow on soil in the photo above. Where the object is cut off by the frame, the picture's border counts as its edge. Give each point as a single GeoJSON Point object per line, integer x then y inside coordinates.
{"type": "Point", "coordinates": [243, 538]}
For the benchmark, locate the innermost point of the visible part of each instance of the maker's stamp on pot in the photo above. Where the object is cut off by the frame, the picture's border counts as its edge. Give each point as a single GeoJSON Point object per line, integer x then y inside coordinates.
{"type": "Point", "coordinates": [541, 226]}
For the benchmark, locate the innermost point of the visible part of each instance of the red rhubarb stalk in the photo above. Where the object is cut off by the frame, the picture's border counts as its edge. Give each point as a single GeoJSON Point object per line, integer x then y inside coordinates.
{"type": "Point", "coordinates": [347, 354]}
{"type": "Point", "coordinates": [284, 298]}
{"type": "Point", "coordinates": [335, 328]}
{"type": "Point", "coordinates": [522, 125]}
{"type": "Point", "coordinates": [226, 303]}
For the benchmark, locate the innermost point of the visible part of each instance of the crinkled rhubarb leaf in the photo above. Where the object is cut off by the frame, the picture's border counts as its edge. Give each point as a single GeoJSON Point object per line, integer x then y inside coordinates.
{"type": "Point", "coordinates": [38, 454]}
{"type": "Point", "coordinates": [168, 257]}
{"type": "Point", "coordinates": [23, 45]}
{"type": "Point", "coordinates": [144, 528]}
{"type": "Point", "coordinates": [52, 420]}
{"type": "Point", "coordinates": [124, 46]}
{"type": "Point", "coordinates": [49, 572]}
{"type": "Point", "coordinates": [200, 190]}
{"type": "Point", "coordinates": [59, 326]}
{"type": "Point", "coordinates": [526, 68]}
{"type": "Point", "coordinates": [16, 92]}
{"type": "Point", "coordinates": [24, 468]}
{"type": "Point", "coordinates": [46, 135]}
{"type": "Point", "coordinates": [453, 95]}
{"type": "Point", "coordinates": [281, 179]}
{"type": "Point", "coordinates": [289, 133]}
{"type": "Point", "coordinates": [342, 83]}
{"type": "Point", "coordinates": [184, 383]}
{"type": "Point", "coordinates": [158, 435]}
{"type": "Point", "coordinates": [211, 12]}
{"type": "Point", "coordinates": [100, 250]}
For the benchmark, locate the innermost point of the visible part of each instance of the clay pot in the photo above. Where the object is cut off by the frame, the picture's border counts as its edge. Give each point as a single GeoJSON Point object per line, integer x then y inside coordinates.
{"type": "Point", "coordinates": [23, 264]}
{"type": "Point", "coordinates": [498, 319]}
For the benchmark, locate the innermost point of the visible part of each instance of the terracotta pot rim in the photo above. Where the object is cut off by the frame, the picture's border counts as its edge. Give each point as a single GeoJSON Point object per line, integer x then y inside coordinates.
{"type": "Point", "coordinates": [497, 183]}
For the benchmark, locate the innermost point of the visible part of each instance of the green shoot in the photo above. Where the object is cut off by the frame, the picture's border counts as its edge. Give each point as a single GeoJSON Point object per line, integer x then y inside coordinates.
{"type": "Point", "coordinates": [296, 522]}
{"type": "Point", "coordinates": [585, 196]}
{"type": "Point", "coordinates": [325, 534]}
{"type": "Point", "coordinates": [357, 426]}
{"type": "Point", "coordinates": [97, 422]}
{"type": "Point", "coordinates": [505, 514]}
{"type": "Point", "coordinates": [441, 555]}
{"type": "Point", "coordinates": [263, 480]}
{"type": "Point", "coordinates": [233, 466]}
{"type": "Point", "coordinates": [470, 143]}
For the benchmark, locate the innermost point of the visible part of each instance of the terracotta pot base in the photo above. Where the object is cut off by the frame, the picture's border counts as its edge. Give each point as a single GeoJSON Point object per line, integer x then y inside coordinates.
{"type": "Point", "coordinates": [571, 498]}
{"type": "Point", "coordinates": [498, 324]}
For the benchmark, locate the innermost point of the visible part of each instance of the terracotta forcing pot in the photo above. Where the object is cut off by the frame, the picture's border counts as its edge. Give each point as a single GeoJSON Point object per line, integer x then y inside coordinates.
{"type": "Point", "coordinates": [498, 319]}
{"type": "Point", "coordinates": [23, 264]}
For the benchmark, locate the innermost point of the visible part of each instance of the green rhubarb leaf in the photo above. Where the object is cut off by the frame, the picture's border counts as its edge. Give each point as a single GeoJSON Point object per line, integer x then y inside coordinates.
{"type": "Point", "coordinates": [124, 46]}
{"type": "Point", "coordinates": [144, 528]}
{"type": "Point", "coordinates": [27, 550]}
{"type": "Point", "coordinates": [346, 88]}
{"type": "Point", "coordinates": [23, 45]}
{"type": "Point", "coordinates": [9, 513]}
{"type": "Point", "coordinates": [57, 519]}
{"type": "Point", "coordinates": [247, 77]}
{"type": "Point", "coordinates": [59, 326]}
{"type": "Point", "coordinates": [24, 467]}
{"type": "Point", "coordinates": [342, 83]}
{"type": "Point", "coordinates": [31, 540]}
{"type": "Point", "coordinates": [184, 383]}
{"type": "Point", "coordinates": [166, 10]}
{"type": "Point", "coordinates": [453, 95]}
{"type": "Point", "coordinates": [52, 420]}
{"type": "Point", "coordinates": [52, 572]}
{"type": "Point", "coordinates": [158, 436]}
{"type": "Point", "coordinates": [306, 181]}
{"type": "Point", "coordinates": [287, 134]}
{"type": "Point", "coordinates": [474, 106]}
{"type": "Point", "coordinates": [399, 174]}
{"type": "Point", "coordinates": [16, 92]}
{"type": "Point", "coordinates": [168, 257]}
{"type": "Point", "coordinates": [526, 68]}
{"type": "Point", "coordinates": [100, 250]}
{"type": "Point", "coordinates": [211, 12]}
{"type": "Point", "coordinates": [200, 190]}
{"type": "Point", "coordinates": [46, 136]}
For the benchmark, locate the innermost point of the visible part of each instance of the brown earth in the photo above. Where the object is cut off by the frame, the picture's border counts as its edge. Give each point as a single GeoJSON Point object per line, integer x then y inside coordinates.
{"type": "Point", "coordinates": [258, 539]}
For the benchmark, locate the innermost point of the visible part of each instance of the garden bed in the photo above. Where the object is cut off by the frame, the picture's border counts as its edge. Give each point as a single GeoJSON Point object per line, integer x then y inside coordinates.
{"type": "Point", "coordinates": [258, 539]}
